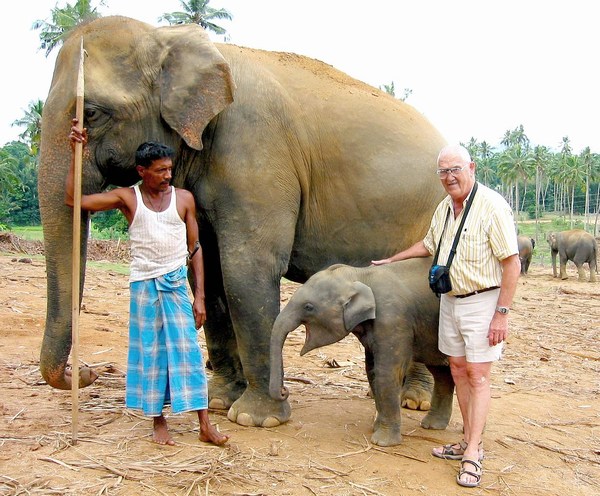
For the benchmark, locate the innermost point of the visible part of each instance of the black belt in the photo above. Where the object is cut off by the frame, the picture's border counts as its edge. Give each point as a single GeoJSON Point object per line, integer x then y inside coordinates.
{"type": "Point", "coordinates": [476, 292]}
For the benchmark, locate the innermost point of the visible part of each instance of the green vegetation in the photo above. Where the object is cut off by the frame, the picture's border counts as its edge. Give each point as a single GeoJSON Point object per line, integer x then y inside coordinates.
{"type": "Point", "coordinates": [30, 233]}
{"type": "Point", "coordinates": [198, 12]}
{"type": "Point", "coordinates": [537, 181]}
{"type": "Point", "coordinates": [54, 31]}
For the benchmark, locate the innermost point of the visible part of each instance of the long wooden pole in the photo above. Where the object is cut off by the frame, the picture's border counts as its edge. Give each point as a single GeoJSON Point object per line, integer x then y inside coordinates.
{"type": "Point", "coordinates": [76, 269]}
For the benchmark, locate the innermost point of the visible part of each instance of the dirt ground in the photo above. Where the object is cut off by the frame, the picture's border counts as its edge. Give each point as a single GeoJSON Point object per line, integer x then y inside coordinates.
{"type": "Point", "coordinates": [542, 437]}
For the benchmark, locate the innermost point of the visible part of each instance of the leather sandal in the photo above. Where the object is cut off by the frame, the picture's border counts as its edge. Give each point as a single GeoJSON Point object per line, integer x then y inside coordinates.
{"type": "Point", "coordinates": [476, 473]}
{"type": "Point", "coordinates": [455, 451]}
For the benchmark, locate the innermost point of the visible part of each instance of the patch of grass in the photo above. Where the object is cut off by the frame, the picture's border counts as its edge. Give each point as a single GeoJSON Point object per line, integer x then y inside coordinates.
{"type": "Point", "coordinates": [30, 233]}
{"type": "Point", "coordinates": [119, 268]}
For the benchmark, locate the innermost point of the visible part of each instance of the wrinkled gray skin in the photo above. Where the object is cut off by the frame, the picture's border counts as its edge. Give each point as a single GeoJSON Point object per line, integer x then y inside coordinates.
{"type": "Point", "coordinates": [293, 165]}
{"type": "Point", "coordinates": [526, 246]}
{"type": "Point", "coordinates": [393, 313]}
{"type": "Point", "coordinates": [576, 245]}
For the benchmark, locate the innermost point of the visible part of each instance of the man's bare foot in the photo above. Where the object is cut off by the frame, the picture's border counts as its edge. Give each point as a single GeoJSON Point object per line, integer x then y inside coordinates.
{"type": "Point", "coordinates": [161, 432]}
{"type": "Point", "coordinates": [208, 432]}
{"type": "Point", "coordinates": [212, 435]}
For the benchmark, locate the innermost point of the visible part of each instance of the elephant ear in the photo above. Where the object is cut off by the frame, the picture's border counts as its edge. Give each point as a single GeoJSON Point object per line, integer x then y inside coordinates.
{"type": "Point", "coordinates": [360, 306]}
{"type": "Point", "coordinates": [195, 81]}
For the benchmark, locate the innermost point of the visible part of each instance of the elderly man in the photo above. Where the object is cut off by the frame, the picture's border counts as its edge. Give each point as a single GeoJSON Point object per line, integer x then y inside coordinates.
{"type": "Point", "coordinates": [473, 321]}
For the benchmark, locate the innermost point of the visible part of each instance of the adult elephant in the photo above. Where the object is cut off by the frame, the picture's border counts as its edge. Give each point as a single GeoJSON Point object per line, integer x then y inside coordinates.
{"type": "Point", "coordinates": [526, 246]}
{"type": "Point", "coordinates": [576, 245]}
{"type": "Point", "coordinates": [294, 166]}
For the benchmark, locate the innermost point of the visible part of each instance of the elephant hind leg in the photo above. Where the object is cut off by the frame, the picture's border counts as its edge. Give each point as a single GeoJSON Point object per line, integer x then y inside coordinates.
{"type": "Point", "coordinates": [417, 387]}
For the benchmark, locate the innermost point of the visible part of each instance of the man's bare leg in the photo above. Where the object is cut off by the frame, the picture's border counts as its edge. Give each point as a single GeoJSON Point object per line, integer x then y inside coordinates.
{"type": "Point", "coordinates": [208, 432]}
{"type": "Point", "coordinates": [161, 431]}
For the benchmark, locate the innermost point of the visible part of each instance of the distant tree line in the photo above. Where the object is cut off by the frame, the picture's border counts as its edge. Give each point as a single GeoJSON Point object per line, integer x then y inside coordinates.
{"type": "Point", "coordinates": [536, 180]}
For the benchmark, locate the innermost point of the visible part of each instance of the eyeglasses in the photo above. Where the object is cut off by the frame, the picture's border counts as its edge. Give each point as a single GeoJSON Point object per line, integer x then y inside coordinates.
{"type": "Point", "coordinates": [450, 170]}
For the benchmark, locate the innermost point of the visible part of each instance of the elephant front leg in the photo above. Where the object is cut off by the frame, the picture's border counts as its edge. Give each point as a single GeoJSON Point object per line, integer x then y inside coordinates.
{"type": "Point", "coordinates": [417, 388]}
{"type": "Point", "coordinates": [253, 317]}
{"type": "Point", "coordinates": [385, 386]}
{"type": "Point", "coordinates": [563, 268]}
{"type": "Point", "coordinates": [441, 399]}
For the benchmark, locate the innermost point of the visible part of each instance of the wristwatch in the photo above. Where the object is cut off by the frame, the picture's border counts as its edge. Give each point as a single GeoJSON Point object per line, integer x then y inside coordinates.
{"type": "Point", "coordinates": [503, 310]}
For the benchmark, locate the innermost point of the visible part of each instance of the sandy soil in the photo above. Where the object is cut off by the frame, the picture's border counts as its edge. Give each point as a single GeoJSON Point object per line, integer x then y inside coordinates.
{"type": "Point", "coordinates": [542, 437]}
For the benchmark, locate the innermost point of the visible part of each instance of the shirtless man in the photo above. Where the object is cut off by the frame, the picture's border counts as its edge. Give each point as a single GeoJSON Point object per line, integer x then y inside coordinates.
{"type": "Point", "coordinates": [164, 362]}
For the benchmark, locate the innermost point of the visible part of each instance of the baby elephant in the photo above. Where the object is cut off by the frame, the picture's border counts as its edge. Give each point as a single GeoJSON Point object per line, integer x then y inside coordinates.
{"type": "Point", "coordinates": [393, 313]}
{"type": "Point", "coordinates": [526, 246]}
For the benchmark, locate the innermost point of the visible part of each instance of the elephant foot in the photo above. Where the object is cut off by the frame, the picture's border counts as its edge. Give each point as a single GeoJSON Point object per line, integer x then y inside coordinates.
{"type": "Point", "coordinates": [435, 421]}
{"type": "Point", "coordinates": [386, 435]}
{"type": "Point", "coordinates": [86, 376]}
{"type": "Point", "coordinates": [256, 409]}
{"type": "Point", "coordinates": [417, 388]}
{"type": "Point", "coordinates": [415, 404]}
{"type": "Point", "coordinates": [222, 394]}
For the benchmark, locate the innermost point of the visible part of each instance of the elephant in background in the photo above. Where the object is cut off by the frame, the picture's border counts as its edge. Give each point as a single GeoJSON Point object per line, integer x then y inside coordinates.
{"type": "Point", "coordinates": [394, 314]}
{"type": "Point", "coordinates": [294, 166]}
{"type": "Point", "coordinates": [526, 246]}
{"type": "Point", "coordinates": [576, 245]}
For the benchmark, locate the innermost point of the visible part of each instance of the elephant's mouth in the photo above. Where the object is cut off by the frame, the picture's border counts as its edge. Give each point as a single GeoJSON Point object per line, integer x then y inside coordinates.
{"type": "Point", "coordinates": [307, 327]}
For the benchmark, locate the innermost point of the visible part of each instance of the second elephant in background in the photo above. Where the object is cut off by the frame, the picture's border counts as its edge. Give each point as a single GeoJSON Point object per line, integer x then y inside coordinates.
{"type": "Point", "coordinates": [576, 245]}
{"type": "Point", "coordinates": [393, 313]}
{"type": "Point", "coordinates": [526, 246]}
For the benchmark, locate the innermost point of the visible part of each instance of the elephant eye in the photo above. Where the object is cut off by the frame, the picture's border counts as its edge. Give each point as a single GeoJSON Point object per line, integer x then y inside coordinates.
{"type": "Point", "coordinates": [309, 307]}
{"type": "Point", "coordinates": [94, 116]}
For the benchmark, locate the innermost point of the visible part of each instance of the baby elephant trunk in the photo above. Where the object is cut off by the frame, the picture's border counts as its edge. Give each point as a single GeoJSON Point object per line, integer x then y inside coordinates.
{"type": "Point", "coordinates": [284, 324]}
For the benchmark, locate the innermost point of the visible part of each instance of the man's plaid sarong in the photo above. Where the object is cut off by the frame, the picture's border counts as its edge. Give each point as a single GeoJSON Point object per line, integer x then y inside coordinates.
{"type": "Point", "coordinates": [164, 360]}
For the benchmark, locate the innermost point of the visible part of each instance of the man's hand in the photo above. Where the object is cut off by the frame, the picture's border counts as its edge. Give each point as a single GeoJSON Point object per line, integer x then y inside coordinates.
{"type": "Point", "coordinates": [77, 135]}
{"type": "Point", "coordinates": [381, 262]}
{"type": "Point", "coordinates": [199, 312]}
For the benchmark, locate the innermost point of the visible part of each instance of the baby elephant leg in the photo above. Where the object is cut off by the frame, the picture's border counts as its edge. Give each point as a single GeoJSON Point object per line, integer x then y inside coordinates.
{"type": "Point", "coordinates": [385, 388]}
{"type": "Point", "coordinates": [441, 400]}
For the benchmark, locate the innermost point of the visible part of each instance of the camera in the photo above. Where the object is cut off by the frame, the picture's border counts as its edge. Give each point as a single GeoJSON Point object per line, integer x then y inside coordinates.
{"type": "Point", "coordinates": [439, 279]}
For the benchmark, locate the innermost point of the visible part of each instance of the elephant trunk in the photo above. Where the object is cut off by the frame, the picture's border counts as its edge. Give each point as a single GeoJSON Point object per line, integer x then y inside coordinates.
{"type": "Point", "coordinates": [284, 324]}
{"type": "Point", "coordinates": [57, 221]}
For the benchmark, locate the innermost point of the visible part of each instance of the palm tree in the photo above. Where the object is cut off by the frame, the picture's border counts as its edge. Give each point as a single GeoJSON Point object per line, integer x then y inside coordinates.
{"type": "Point", "coordinates": [516, 163]}
{"type": "Point", "coordinates": [63, 20]}
{"type": "Point", "coordinates": [574, 175]}
{"type": "Point", "coordinates": [9, 183]}
{"type": "Point", "coordinates": [586, 158]}
{"type": "Point", "coordinates": [541, 158]}
{"type": "Point", "coordinates": [32, 121]}
{"type": "Point", "coordinates": [198, 12]}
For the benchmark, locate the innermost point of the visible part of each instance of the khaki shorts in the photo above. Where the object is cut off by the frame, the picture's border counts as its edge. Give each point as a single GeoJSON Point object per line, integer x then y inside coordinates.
{"type": "Point", "coordinates": [464, 327]}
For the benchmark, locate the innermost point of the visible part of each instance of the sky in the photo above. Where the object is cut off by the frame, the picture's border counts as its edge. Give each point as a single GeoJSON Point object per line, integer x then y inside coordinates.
{"type": "Point", "coordinates": [476, 68]}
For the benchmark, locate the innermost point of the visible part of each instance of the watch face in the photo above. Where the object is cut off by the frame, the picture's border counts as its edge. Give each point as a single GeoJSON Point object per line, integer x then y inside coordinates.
{"type": "Point", "coordinates": [502, 309]}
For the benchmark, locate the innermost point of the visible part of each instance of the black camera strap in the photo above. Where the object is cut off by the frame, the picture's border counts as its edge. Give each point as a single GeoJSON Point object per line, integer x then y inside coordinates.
{"type": "Point", "coordinates": [460, 228]}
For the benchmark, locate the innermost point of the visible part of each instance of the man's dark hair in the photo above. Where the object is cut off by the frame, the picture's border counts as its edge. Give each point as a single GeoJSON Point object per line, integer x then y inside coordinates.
{"type": "Point", "coordinates": [150, 151]}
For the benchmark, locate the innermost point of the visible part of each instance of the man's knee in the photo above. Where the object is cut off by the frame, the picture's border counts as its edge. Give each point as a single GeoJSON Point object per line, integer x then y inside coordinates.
{"type": "Point", "coordinates": [479, 374]}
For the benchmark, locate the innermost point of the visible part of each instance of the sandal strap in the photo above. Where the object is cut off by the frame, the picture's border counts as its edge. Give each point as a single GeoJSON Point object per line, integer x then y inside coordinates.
{"type": "Point", "coordinates": [475, 464]}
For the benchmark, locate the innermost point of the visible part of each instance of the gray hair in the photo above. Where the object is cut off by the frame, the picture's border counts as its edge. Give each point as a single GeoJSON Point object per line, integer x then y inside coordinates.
{"type": "Point", "coordinates": [455, 151]}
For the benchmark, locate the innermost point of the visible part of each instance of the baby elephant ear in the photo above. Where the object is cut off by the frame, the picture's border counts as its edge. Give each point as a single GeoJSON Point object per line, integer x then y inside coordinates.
{"type": "Point", "coordinates": [360, 306]}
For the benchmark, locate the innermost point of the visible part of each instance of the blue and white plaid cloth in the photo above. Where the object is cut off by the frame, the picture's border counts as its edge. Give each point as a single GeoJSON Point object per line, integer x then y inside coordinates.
{"type": "Point", "coordinates": [164, 360]}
